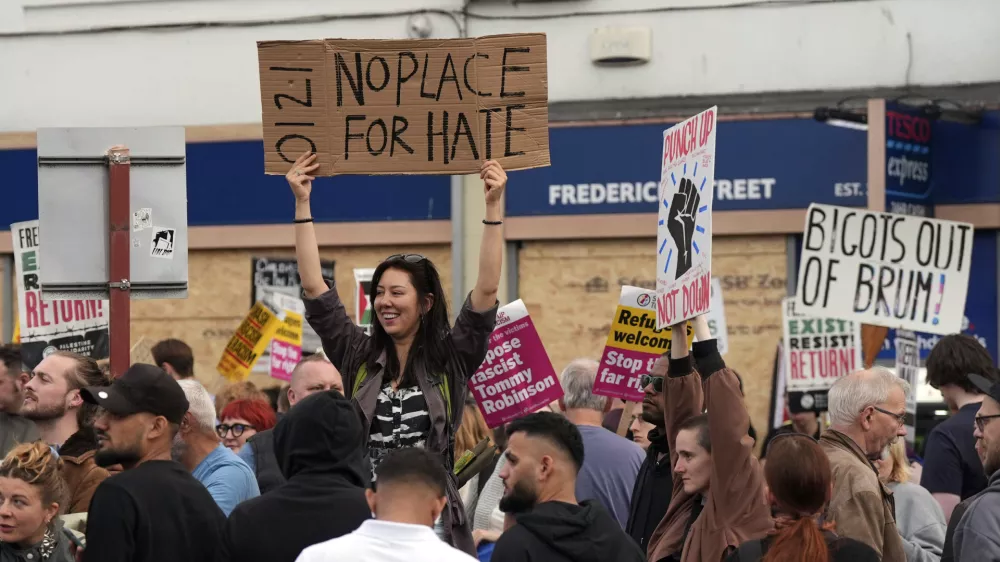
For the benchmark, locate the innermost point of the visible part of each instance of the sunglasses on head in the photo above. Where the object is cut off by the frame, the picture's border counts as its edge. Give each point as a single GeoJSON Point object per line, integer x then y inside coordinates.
{"type": "Point", "coordinates": [647, 380]}
{"type": "Point", "coordinates": [408, 258]}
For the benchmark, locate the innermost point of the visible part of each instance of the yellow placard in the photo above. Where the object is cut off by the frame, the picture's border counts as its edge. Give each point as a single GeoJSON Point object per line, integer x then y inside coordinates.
{"type": "Point", "coordinates": [634, 329]}
{"type": "Point", "coordinates": [248, 343]}
{"type": "Point", "coordinates": [290, 331]}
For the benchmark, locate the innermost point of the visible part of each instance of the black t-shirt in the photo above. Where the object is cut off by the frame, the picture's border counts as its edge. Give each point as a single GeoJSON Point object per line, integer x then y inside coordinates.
{"type": "Point", "coordinates": [651, 494]}
{"type": "Point", "coordinates": [842, 549]}
{"type": "Point", "coordinates": [155, 512]}
{"type": "Point", "coordinates": [951, 464]}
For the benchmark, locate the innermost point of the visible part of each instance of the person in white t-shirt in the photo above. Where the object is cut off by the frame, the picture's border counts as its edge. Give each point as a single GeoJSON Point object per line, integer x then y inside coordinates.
{"type": "Point", "coordinates": [410, 496]}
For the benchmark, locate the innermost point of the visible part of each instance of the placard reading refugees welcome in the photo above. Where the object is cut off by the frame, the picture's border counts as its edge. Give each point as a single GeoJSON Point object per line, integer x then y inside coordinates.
{"type": "Point", "coordinates": [684, 231]}
{"type": "Point", "coordinates": [425, 106]}
{"type": "Point", "coordinates": [633, 345]}
{"type": "Point", "coordinates": [818, 350]}
{"type": "Point", "coordinates": [884, 269]}
{"type": "Point", "coordinates": [516, 378]}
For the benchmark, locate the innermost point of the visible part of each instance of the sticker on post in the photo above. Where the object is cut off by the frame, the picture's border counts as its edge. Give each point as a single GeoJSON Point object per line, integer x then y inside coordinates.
{"type": "Point", "coordinates": [162, 245]}
{"type": "Point", "coordinates": [135, 242]}
{"type": "Point", "coordinates": [142, 219]}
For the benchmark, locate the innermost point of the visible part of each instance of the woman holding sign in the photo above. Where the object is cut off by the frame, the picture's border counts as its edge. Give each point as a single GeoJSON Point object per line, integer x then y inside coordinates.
{"type": "Point", "coordinates": [408, 379]}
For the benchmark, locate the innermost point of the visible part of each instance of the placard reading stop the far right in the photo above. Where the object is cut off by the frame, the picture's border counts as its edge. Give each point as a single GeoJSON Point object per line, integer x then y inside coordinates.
{"type": "Point", "coordinates": [885, 269]}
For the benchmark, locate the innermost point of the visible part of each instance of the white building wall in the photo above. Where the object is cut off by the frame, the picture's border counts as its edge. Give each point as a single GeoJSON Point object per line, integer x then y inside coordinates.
{"type": "Point", "coordinates": [203, 75]}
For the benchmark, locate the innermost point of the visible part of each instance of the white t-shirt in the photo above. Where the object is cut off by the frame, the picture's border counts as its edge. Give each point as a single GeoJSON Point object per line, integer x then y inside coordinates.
{"type": "Point", "coordinates": [386, 542]}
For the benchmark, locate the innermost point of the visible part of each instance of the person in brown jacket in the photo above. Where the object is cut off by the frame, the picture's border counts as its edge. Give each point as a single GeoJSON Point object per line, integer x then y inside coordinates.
{"type": "Point", "coordinates": [52, 399]}
{"type": "Point", "coordinates": [718, 496]}
{"type": "Point", "coordinates": [867, 409]}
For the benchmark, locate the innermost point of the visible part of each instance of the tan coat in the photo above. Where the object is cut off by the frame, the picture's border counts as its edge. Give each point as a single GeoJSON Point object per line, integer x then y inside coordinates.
{"type": "Point", "coordinates": [79, 469]}
{"type": "Point", "coordinates": [862, 507]}
{"type": "Point", "coordinates": [735, 509]}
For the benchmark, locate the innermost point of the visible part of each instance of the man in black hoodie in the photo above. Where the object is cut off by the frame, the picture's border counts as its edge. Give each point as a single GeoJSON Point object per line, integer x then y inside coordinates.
{"type": "Point", "coordinates": [319, 447]}
{"type": "Point", "coordinates": [544, 454]}
{"type": "Point", "coordinates": [655, 483]}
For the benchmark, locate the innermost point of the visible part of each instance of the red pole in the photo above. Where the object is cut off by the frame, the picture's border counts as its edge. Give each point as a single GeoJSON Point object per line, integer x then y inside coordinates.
{"type": "Point", "coordinates": [119, 260]}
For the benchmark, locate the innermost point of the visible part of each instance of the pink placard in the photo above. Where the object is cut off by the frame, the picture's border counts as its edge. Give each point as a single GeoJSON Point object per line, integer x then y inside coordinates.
{"type": "Point", "coordinates": [516, 378]}
{"type": "Point", "coordinates": [284, 357]}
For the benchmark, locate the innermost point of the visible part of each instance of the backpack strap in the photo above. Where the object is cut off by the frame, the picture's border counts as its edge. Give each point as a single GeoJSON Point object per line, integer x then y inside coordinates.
{"type": "Point", "coordinates": [362, 375]}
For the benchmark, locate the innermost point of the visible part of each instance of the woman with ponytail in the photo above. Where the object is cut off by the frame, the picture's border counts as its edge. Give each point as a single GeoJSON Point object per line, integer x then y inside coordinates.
{"type": "Point", "coordinates": [799, 485]}
{"type": "Point", "coordinates": [32, 494]}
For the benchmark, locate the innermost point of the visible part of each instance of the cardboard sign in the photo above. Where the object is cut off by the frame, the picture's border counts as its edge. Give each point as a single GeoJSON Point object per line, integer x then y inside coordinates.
{"type": "Point", "coordinates": [277, 280]}
{"type": "Point", "coordinates": [684, 232]}
{"type": "Point", "coordinates": [286, 347]}
{"type": "Point", "coordinates": [516, 378]}
{"type": "Point", "coordinates": [44, 326]}
{"type": "Point", "coordinates": [249, 342]}
{"type": "Point", "coordinates": [818, 351]}
{"type": "Point", "coordinates": [633, 345]}
{"type": "Point", "coordinates": [430, 106]}
{"type": "Point", "coordinates": [908, 369]}
{"type": "Point", "coordinates": [884, 269]}
{"type": "Point", "coordinates": [362, 302]}
{"type": "Point", "coordinates": [717, 318]}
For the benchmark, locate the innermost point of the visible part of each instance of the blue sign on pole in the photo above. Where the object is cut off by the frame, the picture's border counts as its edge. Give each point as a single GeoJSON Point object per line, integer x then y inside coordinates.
{"type": "Point", "coordinates": [762, 165]}
{"type": "Point", "coordinates": [908, 182]}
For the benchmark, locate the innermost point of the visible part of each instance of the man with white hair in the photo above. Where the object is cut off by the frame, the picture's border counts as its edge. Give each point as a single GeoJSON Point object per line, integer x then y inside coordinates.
{"type": "Point", "coordinates": [610, 462]}
{"type": "Point", "coordinates": [196, 446]}
{"type": "Point", "coordinates": [867, 409]}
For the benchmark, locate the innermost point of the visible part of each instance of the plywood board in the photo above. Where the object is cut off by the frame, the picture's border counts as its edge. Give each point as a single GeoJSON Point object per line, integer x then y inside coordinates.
{"type": "Point", "coordinates": [219, 297]}
{"type": "Point", "coordinates": [571, 290]}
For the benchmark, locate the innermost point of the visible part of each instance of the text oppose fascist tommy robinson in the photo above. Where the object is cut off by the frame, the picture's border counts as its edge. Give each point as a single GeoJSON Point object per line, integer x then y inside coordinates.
{"type": "Point", "coordinates": [516, 378]}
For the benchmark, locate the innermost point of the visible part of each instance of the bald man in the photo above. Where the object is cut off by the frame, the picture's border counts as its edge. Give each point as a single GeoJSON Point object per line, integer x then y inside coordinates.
{"type": "Point", "coordinates": [312, 375]}
{"type": "Point", "coordinates": [544, 455]}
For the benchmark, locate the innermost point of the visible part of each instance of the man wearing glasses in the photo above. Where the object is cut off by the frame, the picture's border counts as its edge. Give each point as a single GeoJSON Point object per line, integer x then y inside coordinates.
{"type": "Point", "coordinates": [867, 409]}
{"type": "Point", "coordinates": [977, 536]}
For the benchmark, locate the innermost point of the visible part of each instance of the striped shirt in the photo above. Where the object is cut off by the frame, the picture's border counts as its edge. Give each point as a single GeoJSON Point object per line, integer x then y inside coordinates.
{"type": "Point", "coordinates": [401, 422]}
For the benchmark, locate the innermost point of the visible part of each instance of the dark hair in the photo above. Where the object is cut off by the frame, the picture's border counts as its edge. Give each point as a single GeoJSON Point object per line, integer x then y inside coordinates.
{"type": "Point", "coordinates": [699, 424]}
{"type": "Point", "coordinates": [954, 358]}
{"type": "Point", "coordinates": [413, 466]}
{"type": "Point", "coordinates": [87, 372]}
{"type": "Point", "coordinates": [175, 353]}
{"type": "Point", "coordinates": [10, 356]}
{"type": "Point", "coordinates": [273, 393]}
{"type": "Point", "coordinates": [799, 476]}
{"type": "Point", "coordinates": [556, 429]}
{"type": "Point", "coordinates": [429, 344]}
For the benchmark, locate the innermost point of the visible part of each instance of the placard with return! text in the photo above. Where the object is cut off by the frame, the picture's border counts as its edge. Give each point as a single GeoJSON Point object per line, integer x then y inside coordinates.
{"type": "Point", "coordinates": [429, 106]}
{"type": "Point", "coordinates": [818, 350]}
{"type": "Point", "coordinates": [884, 269]}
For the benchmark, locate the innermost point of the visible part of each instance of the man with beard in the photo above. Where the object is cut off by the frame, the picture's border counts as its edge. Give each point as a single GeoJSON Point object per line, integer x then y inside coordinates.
{"type": "Point", "coordinates": [544, 455]}
{"type": "Point", "coordinates": [655, 482]}
{"type": "Point", "coordinates": [14, 429]}
{"type": "Point", "coordinates": [197, 447]}
{"type": "Point", "coordinates": [154, 510]}
{"type": "Point", "coordinates": [52, 400]}
{"type": "Point", "coordinates": [977, 536]}
{"type": "Point", "coordinates": [867, 409]}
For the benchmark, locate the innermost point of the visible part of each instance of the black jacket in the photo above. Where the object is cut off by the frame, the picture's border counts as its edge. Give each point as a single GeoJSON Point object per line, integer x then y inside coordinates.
{"type": "Point", "coordinates": [557, 532]}
{"type": "Point", "coordinates": [653, 488]}
{"type": "Point", "coordinates": [319, 448]}
{"type": "Point", "coordinates": [268, 472]}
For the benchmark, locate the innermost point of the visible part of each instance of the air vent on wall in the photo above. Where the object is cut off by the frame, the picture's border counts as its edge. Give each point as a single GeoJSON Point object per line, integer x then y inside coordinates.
{"type": "Point", "coordinates": [619, 46]}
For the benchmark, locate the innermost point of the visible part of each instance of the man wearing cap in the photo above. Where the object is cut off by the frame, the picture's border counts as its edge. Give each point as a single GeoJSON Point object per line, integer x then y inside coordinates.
{"type": "Point", "coordinates": [154, 510]}
{"type": "Point", "coordinates": [977, 536]}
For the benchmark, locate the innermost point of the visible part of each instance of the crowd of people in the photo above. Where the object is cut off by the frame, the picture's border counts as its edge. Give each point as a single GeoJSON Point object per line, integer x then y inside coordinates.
{"type": "Point", "coordinates": [356, 457]}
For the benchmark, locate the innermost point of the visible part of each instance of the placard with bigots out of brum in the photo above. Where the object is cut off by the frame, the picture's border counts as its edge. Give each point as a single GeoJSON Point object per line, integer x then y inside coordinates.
{"type": "Point", "coordinates": [44, 326]}
{"type": "Point", "coordinates": [516, 378]}
{"type": "Point", "coordinates": [633, 345]}
{"type": "Point", "coordinates": [883, 269]}
{"type": "Point", "coordinates": [684, 230]}
{"type": "Point", "coordinates": [908, 369]}
{"type": "Point", "coordinates": [817, 352]}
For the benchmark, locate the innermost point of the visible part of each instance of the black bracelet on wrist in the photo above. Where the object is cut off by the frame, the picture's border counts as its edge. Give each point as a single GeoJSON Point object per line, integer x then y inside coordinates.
{"type": "Point", "coordinates": [301, 221]}
{"type": "Point", "coordinates": [492, 223]}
